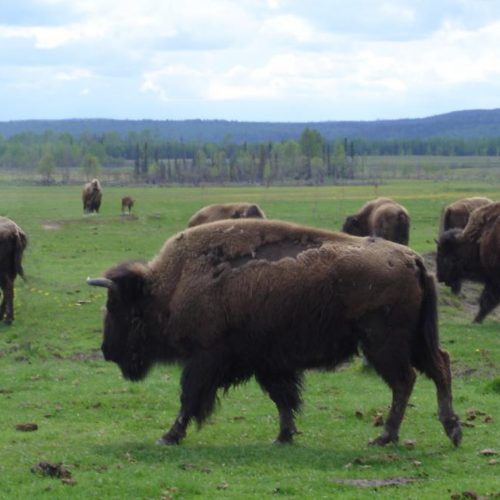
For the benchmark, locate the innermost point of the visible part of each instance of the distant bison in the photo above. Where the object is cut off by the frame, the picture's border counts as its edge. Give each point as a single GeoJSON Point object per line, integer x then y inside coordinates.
{"type": "Point", "coordinates": [92, 196]}
{"type": "Point", "coordinates": [456, 215]}
{"type": "Point", "coordinates": [236, 299]}
{"type": "Point", "coordinates": [12, 245]}
{"type": "Point", "coordinates": [224, 211]}
{"type": "Point", "coordinates": [127, 203]}
{"type": "Point", "coordinates": [381, 217]}
{"type": "Point", "coordinates": [473, 253]}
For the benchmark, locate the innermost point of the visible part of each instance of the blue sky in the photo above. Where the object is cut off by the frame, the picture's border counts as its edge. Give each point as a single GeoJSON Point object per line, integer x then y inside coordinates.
{"type": "Point", "coordinates": [257, 60]}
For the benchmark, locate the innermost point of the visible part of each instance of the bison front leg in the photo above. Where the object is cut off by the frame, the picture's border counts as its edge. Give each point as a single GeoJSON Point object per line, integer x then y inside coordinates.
{"type": "Point", "coordinates": [490, 298]}
{"type": "Point", "coordinates": [284, 389]}
{"type": "Point", "coordinates": [200, 380]}
{"type": "Point", "coordinates": [401, 392]}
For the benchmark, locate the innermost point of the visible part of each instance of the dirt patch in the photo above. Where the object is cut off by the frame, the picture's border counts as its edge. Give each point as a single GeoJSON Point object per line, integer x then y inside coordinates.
{"type": "Point", "coordinates": [52, 225]}
{"type": "Point", "coordinates": [374, 483]}
{"type": "Point", "coordinates": [93, 355]}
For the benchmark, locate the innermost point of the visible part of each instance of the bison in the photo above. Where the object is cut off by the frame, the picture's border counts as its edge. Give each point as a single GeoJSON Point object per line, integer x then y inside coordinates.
{"type": "Point", "coordinates": [456, 215]}
{"type": "Point", "coordinates": [472, 253]}
{"type": "Point", "coordinates": [224, 211]}
{"type": "Point", "coordinates": [92, 196]}
{"type": "Point", "coordinates": [236, 299]}
{"type": "Point", "coordinates": [12, 245]}
{"type": "Point", "coordinates": [127, 202]}
{"type": "Point", "coordinates": [381, 217]}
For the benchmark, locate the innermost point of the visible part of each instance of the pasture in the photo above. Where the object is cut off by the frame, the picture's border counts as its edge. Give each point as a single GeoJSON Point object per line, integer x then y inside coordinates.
{"type": "Point", "coordinates": [103, 429]}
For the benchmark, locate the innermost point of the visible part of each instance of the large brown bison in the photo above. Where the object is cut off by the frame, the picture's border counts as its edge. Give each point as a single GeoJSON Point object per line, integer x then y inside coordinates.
{"type": "Point", "coordinates": [473, 253]}
{"type": "Point", "coordinates": [381, 217]}
{"type": "Point", "coordinates": [224, 211]}
{"type": "Point", "coordinates": [236, 299]}
{"type": "Point", "coordinates": [456, 215]}
{"type": "Point", "coordinates": [127, 203]}
{"type": "Point", "coordinates": [12, 245]}
{"type": "Point", "coordinates": [92, 196]}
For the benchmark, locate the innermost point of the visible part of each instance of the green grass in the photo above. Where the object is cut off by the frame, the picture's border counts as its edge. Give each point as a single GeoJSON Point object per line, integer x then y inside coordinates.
{"type": "Point", "coordinates": [104, 429]}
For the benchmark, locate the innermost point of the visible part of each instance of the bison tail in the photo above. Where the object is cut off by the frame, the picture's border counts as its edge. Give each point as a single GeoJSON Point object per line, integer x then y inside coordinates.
{"type": "Point", "coordinates": [425, 350]}
{"type": "Point", "coordinates": [21, 243]}
{"type": "Point", "coordinates": [403, 236]}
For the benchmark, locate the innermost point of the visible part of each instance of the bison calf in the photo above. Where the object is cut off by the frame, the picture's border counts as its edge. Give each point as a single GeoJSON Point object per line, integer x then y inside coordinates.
{"type": "Point", "coordinates": [92, 196]}
{"type": "Point", "coordinates": [224, 211]}
{"type": "Point", "coordinates": [472, 253]}
{"type": "Point", "coordinates": [127, 203]}
{"type": "Point", "coordinates": [12, 245]}
{"type": "Point", "coordinates": [381, 217]}
{"type": "Point", "coordinates": [236, 299]}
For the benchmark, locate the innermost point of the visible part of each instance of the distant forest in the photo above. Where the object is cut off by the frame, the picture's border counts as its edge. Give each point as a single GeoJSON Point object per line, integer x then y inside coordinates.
{"type": "Point", "coordinates": [458, 125]}
{"type": "Point", "coordinates": [312, 154]}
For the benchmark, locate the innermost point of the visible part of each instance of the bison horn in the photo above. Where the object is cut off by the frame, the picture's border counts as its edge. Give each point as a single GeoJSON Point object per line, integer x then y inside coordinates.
{"type": "Point", "coordinates": [104, 282]}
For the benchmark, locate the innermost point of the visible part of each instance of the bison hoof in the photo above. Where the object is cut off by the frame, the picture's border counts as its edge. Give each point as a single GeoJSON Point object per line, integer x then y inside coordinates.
{"type": "Point", "coordinates": [478, 319]}
{"type": "Point", "coordinates": [7, 321]}
{"type": "Point", "coordinates": [455, 435]}
{"type": "Point", "coordinates": [169, 440]}
{"type": "Point", "coordinates": [286, 436]}
{"type": "Point", "coordinates": [383, 440]}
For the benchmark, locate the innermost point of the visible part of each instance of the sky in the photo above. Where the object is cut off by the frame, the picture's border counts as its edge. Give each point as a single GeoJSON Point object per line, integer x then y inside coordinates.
{"type": "Point", "coordinates": [247, 60]}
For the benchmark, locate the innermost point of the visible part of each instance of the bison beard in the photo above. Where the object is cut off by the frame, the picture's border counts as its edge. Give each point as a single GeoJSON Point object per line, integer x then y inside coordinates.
{"type": "Point", "coordinates": [237, 299]}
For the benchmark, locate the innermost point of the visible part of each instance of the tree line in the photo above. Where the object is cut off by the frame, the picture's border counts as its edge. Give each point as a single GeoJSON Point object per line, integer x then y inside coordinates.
{"type": "Point", "coordinates": [152, 159]}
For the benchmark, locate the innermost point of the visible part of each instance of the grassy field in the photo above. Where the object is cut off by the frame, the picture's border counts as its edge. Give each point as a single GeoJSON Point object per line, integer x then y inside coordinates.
{"type": "Point", "coordinates": [103, 429]}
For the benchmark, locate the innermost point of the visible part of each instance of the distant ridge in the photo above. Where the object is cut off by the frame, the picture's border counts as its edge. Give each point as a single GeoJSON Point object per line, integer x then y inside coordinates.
{"type": "Point", "coordinates": [458, 124]}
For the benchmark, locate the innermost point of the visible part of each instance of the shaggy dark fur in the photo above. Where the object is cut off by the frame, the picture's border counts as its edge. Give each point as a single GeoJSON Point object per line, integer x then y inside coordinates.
{"type": "Point", "coordinates": [238, 299]}
{"type": "Point", "coordinates": [12, 245]}
{"type": "Point", "coordinates": [456, 215]}
{"type": "Point", "coordinates": [473, 254]}
{"type": "Point", "coordinates": [92, 196]}
{"type": "Point", "coordinates": [381, 217]}
{"type": "Point", "coordinates": [127, 203]}
{"type": "Point", "coordinates": [224, 211]}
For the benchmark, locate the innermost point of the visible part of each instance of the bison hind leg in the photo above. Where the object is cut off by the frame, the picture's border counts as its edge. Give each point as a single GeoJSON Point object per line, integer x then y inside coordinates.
{"type": "Point", "coordinates": [283, 387]}
{"type": "Point", "coordinates": [395, 368]}
{"type": "Point", "coordinates": [438, 370]}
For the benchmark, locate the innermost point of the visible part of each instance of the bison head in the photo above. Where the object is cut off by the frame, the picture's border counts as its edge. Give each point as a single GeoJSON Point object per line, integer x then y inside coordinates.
{"type": "Point", "coordinates": [126, 330]}
{"type": "Point", "coordinates": [352, 226]}
{"type": "Point", "coordinates": [449, 261]}
{"type": "Point", "coordinates": [251, 212]}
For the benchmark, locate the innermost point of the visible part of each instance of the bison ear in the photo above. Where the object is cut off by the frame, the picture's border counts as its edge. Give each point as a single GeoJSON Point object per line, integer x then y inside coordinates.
{"type": "Point", "coordinates": [130, 280]}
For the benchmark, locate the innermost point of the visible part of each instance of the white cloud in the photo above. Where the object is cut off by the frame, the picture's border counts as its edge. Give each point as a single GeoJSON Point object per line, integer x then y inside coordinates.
{"type": "Point", "coordinates": [74, 74]}
{"type": "Point", "coordinates": [220, 52]}
{"type": "Point", "coordinates": [54, 37]}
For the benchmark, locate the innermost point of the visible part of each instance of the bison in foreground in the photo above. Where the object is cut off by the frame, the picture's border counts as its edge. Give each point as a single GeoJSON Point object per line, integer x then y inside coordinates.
{"type": "Point", "coordinates": [224, 211]}
{"type": "Point", "coordinates": [92, 196]}
{"type": "Point", "coordinates": [473, 253]}
{"type": "Point", "coordinates": [12, 245]}
{"type": "Point", "coordinates": [456, 215]}
{"type": "Point", "coordinates": [236, 299]}
{"type": "Point", "coordinates": [127, 203]}
{"type": "Point", "coordinates": [381, 217]}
